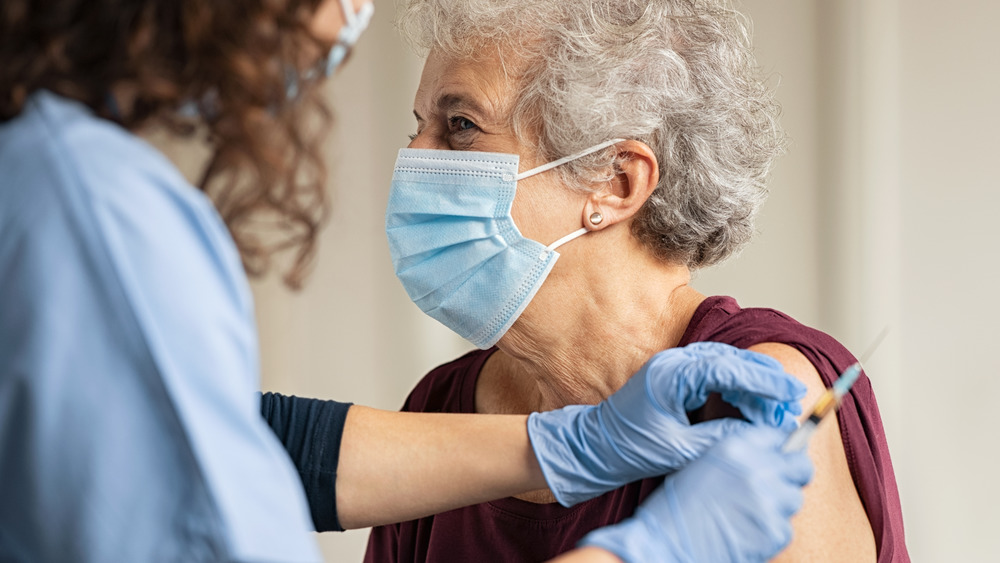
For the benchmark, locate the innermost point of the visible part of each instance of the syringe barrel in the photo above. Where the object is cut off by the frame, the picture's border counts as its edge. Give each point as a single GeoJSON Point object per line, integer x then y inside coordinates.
{"type": "Point", "coordinates": [799, 439]}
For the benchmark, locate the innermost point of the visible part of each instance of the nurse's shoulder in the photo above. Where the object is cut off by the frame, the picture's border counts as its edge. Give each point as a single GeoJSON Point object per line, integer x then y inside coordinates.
{"type": "Point", "coordinates": [57, 146]}
{"type": "Point", "coordinates": [128, 348]}
{"type": "Point", "coordinates": [68, 176]}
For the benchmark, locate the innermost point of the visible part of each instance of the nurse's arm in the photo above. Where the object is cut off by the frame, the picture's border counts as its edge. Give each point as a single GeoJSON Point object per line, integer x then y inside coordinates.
{"type": "Point", "coordinates": [398, 466]}
{"type": "Point", "coordinates": [365, 467]}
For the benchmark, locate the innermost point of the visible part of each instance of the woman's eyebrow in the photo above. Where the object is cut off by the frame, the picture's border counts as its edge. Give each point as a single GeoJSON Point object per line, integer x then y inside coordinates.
{"type": "Point", "coordinates": [447, 102]}
{"type": "Point", "coordinates": [459, 101]}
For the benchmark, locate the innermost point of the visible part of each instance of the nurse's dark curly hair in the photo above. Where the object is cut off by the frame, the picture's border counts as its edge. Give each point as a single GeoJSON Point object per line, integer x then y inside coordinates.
{"type": "Point", "coordinates": [230, 57]}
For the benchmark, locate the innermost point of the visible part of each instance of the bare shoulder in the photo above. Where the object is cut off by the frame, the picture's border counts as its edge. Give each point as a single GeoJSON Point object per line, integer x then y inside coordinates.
{"type": "Point", "coordinates": [793, 360]}
{"type": "Point", "coordinates": [832, 525]}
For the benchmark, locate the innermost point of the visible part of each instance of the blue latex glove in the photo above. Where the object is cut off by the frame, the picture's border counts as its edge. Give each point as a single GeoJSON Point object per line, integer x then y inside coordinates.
{"type": "Point", "coordinates": [731, 504]}
{"type": "Point", "coordinates": [643, 430]}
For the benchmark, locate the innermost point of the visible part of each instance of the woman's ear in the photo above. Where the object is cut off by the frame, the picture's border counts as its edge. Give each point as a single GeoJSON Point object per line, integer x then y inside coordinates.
{"type": "Point", "coordinates": [637, 175]}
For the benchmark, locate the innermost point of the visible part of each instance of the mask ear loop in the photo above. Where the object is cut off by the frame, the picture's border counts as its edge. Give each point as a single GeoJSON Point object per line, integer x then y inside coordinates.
{"type": "Point", "coordinates": [348, 10]}
{"type": "Point", "coordinates": [565, 159]}
{"type": "Point", "coordinates": [355, 24]}
{"type": "Point", "coordinates": [546, 167]}
{"type": "Point", "coordinates": [575, 234]}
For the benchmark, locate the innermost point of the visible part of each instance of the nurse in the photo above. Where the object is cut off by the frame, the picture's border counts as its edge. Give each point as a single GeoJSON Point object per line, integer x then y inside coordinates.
{"type": "Point", "coordinates": [130, 421]}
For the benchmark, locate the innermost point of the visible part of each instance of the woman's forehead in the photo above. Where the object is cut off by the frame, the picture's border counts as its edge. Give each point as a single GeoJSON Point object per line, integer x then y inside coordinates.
{"type": "Point", "coordinates": [482, 82]}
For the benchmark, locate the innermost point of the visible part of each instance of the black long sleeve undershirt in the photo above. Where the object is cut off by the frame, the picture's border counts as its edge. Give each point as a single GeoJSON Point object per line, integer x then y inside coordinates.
{"type": "Point", "coordinates": [311, 430]}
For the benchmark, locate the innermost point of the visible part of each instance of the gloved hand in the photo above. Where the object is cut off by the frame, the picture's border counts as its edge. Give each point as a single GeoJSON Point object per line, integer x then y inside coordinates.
{"type": "Point", "coordinates": [643, 429]}
{"type": "Point", "coordinates": [731, 504]}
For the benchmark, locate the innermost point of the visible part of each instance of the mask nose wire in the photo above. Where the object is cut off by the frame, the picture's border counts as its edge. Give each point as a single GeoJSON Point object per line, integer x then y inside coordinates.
{"type": "Point", "coordinates": [565, 159]}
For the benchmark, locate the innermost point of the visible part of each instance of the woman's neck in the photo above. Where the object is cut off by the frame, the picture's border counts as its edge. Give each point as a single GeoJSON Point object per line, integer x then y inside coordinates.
{"type": "Point", "coordinates": [582, 339]}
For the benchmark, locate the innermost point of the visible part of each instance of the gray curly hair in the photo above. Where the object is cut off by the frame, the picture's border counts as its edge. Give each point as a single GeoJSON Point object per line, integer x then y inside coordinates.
{"type": "Point", "coordinates": [678, 75]}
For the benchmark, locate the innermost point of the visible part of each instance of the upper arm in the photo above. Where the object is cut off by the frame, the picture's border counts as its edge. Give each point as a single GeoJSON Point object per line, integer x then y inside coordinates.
{"type": "Point", "coordinates": [833, 524]}
{"type": "Point", "coordinates": [311, 431]}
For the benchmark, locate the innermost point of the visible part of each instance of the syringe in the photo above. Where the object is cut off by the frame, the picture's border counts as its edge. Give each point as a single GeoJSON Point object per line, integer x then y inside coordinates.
{"type": "Point", "coordinates": [827, 403]}
{"type": "Point", "coordinates": [830, 400]}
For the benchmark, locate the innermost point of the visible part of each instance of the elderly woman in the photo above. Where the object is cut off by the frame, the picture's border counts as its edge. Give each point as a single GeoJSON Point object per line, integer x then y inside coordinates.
{"type": "Point", "coordinates": [129, 429]}
{"type": "Point", "coordinates": [635, 136]}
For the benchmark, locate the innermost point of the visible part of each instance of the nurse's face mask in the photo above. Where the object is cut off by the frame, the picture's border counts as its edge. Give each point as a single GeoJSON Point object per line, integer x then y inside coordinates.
{"type": "Point", "coordinates": [354, 25]}
{"type": "Point", "coordinates": [454, 244]}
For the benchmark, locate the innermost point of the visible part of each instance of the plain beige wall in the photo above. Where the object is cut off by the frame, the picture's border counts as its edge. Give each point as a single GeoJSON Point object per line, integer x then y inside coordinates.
{"type": "Point", "coordinates": [950, 273]}
{"type": "Point", "coordinates": [883, 212]}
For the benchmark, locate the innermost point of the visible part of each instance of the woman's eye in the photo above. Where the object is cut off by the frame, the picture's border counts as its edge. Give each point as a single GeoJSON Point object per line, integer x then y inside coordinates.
{"type": "Point", "coordinates": [458, 124]}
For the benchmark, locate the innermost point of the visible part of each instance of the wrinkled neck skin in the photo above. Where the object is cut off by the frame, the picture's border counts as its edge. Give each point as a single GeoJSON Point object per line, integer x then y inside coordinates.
{"type": "Point", "coordinates": [600, 315]}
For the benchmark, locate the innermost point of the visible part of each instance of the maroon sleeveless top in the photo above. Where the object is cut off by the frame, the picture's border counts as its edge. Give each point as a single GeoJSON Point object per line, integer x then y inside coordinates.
{"type": "Point", "coordinates": [513, 530]}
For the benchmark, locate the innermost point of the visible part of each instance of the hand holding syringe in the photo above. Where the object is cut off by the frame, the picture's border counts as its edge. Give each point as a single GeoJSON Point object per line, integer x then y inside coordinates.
{"type": "Point", "coordinates": [829, 401]}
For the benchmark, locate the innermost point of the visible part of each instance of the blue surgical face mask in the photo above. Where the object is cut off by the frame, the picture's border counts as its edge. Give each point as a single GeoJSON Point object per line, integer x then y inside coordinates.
{"type": "Point", "coordinates": [348, 37]}
{"type": "Point", "coordinates": [454, 244]}
{"type": "Point", "coordinates": [349, 34]}
{"type": "Point", "coordinates": [355, 24]}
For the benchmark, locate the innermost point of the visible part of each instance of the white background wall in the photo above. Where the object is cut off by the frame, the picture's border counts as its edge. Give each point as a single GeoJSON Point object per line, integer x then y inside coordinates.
{"type": "Point", "coordinates": [884, 212]}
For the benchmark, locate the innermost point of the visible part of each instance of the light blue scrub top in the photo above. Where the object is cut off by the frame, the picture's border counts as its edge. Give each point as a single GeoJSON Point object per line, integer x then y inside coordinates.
{"type": "Point", "coordinates": [130, 428]}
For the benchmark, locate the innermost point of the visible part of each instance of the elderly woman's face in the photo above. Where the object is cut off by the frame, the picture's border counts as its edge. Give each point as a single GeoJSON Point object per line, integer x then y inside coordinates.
{"type": "Point", "coordinates": [465, 105]}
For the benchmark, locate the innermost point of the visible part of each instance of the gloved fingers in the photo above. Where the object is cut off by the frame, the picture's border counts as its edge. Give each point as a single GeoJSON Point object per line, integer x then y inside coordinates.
{"type": "Point", "coordinates": [748, 372]}
{"type": "Point", "coordinates": [780, 414]}
{"type": "Point", "coordinates": [678, 373]}
{"type": "Point", "coordinates": [729, 374]}
{"type": "Point", "coordinates": [714, 348]}
{"type": "Point", "coordinates": [765, 439]}
{"type": "Point", "coordinates": [704, 435]}
{"type": "Point", "coordinates": [799, 468]}
{"type": "Point", "coordinates": [720, 349]}
{"type": "Point", "coordinates": [693, 441]}
{"type": "Point", "coordinates": [793, 469]}
{"type": "Point", "coordinates": [771, 395]}
{"type": "Point", "coordinates": [680, 379]}
{"type": "Point", "coordinates": [791, 502]}
{"type": "Point", "coordinates": [762, 360]}
{"type": "Point", "coordinates": [773, 498]}
{"type": "Point", "coordinates": [777, 493]}
{"type": "Point", "coordinates": [781, 531]}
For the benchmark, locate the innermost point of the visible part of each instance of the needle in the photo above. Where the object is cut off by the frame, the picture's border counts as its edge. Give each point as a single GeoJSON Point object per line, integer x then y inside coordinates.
{"type": "Point", "coordinates": [828, 402]}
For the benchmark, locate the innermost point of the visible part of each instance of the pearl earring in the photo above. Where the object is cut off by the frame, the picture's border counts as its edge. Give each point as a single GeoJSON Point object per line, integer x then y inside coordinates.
{"type": "Point", "coordinates": [596, 218]}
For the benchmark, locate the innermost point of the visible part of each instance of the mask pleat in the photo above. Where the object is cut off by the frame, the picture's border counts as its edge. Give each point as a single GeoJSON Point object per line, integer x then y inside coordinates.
{"type": "Point", "coordinates": [468, 201]}
{"type": "Point", "coordinates": [442, 269]}
{"type": "Point", "coordinates": [409, 241]}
